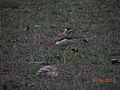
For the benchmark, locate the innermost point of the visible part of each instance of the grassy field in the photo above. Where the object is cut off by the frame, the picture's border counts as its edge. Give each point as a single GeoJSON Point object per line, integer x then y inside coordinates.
{"type": "Point", "coordinates": [27, 31]}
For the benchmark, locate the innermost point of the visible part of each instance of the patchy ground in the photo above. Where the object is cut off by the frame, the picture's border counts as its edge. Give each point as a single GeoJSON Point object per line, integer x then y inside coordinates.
{"type": "Point", "coordinates": [27, 32]}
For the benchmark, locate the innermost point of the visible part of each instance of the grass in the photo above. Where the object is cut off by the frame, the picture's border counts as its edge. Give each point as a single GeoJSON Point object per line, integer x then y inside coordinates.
{"type": "Point", "coordinates": [21, 41]}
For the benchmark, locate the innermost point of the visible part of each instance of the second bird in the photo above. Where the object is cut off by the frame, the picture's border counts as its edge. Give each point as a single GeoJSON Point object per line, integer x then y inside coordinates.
{"type": "Point", "coordinates": [64, 39]}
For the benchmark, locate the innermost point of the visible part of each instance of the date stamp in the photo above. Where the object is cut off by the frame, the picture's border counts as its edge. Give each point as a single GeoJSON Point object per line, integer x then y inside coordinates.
{"type": "Point", "coordinates": [103, 80]}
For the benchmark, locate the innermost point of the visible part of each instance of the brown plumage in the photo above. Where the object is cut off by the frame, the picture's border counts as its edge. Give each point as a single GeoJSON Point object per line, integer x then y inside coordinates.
{"type": "Point", "coordinates": [66, 34]}
{"type": "Point", "coordinates": [48, 70]}
{"type": "Point", "coordinates": [64, 39]}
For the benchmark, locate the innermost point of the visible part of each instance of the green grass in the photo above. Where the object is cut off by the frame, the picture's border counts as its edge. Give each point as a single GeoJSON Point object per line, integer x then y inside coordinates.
{"type": "Point", "coordinates": [17, 44]}
{"type": "Point", "coordinates": [9, 4]}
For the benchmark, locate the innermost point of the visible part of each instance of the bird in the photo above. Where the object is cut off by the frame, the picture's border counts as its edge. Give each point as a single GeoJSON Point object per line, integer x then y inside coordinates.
{"type": "Point", "coordinates": [64, 39]}
{"type": "Point", "coordinates": [47, 70]}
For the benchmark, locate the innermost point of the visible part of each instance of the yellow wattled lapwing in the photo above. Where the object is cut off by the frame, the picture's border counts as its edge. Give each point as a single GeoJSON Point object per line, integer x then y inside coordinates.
{"type": "Point", "coordinates": [64, 39]}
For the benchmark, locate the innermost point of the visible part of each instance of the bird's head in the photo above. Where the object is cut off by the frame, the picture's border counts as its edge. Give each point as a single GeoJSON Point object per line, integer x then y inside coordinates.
{"type": "Point", "coordinates": [68, 30]}
{"type": "Point", "coordinates": [45, 63]}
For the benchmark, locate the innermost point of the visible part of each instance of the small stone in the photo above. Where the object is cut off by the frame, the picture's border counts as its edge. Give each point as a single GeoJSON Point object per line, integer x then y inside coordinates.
{"type": "Point", "coordinates": [85, 40]}
{"type": "Point", "coordinates": [53, 26]}
{"type": "Point", "coordinates": [74, 49]}
{"type": "Point", "coordinates": [115, 62]}
{"type": "Point", "coordinates": [26, 28]}
{"type": "Point", "coordinates": [36, 26]}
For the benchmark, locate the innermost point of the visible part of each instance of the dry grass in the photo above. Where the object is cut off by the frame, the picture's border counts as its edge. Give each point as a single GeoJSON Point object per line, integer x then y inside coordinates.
{"type": "Point", "coordinates": [27, 29]}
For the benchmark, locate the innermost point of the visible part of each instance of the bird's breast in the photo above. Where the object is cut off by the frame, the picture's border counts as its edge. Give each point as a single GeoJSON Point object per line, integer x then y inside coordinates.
{"type": "Point", "coordinates": [64, 42]}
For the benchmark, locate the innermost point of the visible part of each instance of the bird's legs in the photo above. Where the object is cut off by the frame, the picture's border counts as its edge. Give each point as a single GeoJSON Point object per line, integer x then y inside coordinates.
{"type": "Point", "coordinates": [65, 51]}
{"type": "Point", "coordinates": [58, 57]}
